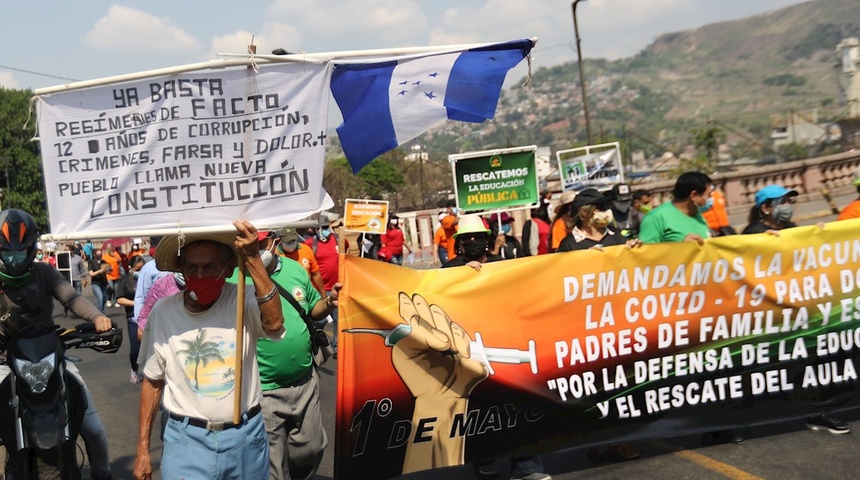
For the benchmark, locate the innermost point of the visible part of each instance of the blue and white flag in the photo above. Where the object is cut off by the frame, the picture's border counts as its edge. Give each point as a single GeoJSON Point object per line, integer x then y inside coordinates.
{"type": "Point", "coordinates": [385, 103]}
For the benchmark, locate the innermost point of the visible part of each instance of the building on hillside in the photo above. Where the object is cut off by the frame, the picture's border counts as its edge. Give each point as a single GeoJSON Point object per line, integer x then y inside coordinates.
{"type": "Point", "coordinates": [848, 67]}
{"type": "Point", "coordinates": [801, 128]}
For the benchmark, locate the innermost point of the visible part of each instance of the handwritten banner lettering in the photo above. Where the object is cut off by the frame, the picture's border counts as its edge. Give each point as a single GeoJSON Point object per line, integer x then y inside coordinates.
{"type": "Point", "coordinates": [187, 150]}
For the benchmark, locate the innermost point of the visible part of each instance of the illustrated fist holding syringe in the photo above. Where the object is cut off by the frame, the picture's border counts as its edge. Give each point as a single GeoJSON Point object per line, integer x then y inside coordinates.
{"type": "Point", "coordinates": [440, 366]}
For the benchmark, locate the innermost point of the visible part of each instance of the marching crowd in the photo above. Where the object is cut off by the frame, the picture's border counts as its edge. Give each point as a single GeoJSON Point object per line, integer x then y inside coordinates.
{"type": "Point", "coordinates": [181, 297]}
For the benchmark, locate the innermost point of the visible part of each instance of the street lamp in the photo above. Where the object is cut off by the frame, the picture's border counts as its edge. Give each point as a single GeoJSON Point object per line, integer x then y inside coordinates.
{"type": "Point", "coordinates": [581, 76]}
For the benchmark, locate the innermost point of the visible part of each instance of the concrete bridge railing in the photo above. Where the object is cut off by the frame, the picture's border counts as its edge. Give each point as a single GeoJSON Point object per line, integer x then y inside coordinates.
{"type": "Point", "coordinates": [832, 174]}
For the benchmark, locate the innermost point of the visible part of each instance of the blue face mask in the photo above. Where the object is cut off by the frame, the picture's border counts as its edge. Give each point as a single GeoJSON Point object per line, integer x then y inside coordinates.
{"type": "Point", "coordinates": [324, 233]}
{"type": "Point", "coordinates": [506, 228]}
{"type": "Point", "coordinates": [707, 206]}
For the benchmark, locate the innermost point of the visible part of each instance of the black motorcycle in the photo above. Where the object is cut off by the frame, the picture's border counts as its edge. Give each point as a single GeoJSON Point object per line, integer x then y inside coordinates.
{"type": "Point", "coordinates": [42, 405]}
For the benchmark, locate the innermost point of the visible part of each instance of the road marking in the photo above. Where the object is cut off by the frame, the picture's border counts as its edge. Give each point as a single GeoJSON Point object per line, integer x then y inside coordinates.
{"type": "Point", "coordinates": [707, 462]}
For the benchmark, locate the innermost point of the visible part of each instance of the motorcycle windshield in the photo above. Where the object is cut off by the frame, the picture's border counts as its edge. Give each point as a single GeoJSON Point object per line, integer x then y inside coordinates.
{"type": "Point", "coordinates": [34, 343]}
{"type": "Point", "coordinates": [45, 428]}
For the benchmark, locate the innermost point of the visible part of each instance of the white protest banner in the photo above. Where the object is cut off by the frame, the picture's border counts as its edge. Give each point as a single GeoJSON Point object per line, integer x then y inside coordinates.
{"type": "Point", "coordinates": [187, 151]}
{"type": "Point", "coordinates": [593, 166]}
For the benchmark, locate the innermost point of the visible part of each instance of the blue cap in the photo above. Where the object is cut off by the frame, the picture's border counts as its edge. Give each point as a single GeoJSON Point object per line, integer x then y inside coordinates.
{"type": "Point", "coordinates": [771, 192]}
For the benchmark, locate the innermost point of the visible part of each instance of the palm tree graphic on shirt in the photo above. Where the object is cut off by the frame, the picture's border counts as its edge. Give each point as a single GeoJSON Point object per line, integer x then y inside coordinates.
{"type": "Point", "coordinates": [200, 351]}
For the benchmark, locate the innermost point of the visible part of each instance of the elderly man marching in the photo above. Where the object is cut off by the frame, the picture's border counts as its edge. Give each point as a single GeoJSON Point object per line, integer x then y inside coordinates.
{"type": "Point", "coordinates": [192, 343]}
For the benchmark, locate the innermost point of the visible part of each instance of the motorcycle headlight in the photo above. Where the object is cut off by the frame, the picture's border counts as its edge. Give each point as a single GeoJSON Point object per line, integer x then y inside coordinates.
{"type": "Point", "coordinates": [37, 374]}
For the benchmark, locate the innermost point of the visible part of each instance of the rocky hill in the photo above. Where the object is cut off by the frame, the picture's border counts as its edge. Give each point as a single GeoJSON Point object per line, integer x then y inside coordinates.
{"type": "Point", "coordinates": [739, 73]}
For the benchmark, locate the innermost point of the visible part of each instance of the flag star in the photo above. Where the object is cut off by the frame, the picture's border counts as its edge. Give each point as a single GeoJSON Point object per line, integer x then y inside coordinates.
{"type": "Point", "coordinates": [434, 74]}
{"type": "Point", "coordinates": [402, 92]}
{"type": "Point", "coordinates": [429, 95]}
{"type": "Point", "coordinates": [417, 83]}
{"type": "Point", "coordinates": [404, 82]}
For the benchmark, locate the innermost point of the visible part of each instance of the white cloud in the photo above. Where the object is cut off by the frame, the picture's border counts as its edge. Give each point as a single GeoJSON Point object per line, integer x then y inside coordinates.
{"type": "Point", "coordinates": [7, 80]}
{"type": "Point", "coordinates": [359, 24]}
{"type": "Point", "coordinates": [274, 35]}
{"type": "Point", "coordinates": [132, 30]}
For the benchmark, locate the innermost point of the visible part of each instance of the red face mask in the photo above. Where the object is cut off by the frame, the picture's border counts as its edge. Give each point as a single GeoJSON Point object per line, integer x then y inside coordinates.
{"type": "Point", "coordinates": [206, 289]}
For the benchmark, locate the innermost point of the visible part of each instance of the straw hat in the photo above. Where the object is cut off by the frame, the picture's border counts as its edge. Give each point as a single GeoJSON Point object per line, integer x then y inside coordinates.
{"type": "Point", "coordinates": [169, 249]}
{"type": "Point", "coordinates": [566, 198]}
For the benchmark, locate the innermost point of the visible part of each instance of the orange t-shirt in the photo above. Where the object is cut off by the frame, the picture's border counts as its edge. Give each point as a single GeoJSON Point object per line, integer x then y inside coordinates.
{"type": "Point", "coordinates": [304, 256]}
{"type": "Point", "coordinates": [440, 239]}
{"type": "Point", "coordinates": [558, 232]}
{"type": "Point", "coordinates": [852, 210]}
{"type": "Point", "coordinates": [449, 224]}
{"type": "Point", "coordinates": [113, 261]}
{"type": "Point", "coordinates": [717, 216]}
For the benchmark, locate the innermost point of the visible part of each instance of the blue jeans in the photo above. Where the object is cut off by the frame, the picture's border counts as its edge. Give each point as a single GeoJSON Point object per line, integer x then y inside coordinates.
{"type": "Point", "coordinates": [133, 343]}
{"type": "Point", "coordinates": [194, 453]}
{"type": "Point", "coordinates": [112, 290]}
{"type": "Point", "coordinates": [443, 254]}
{"type": "Point", "coordinates": [99, 293]}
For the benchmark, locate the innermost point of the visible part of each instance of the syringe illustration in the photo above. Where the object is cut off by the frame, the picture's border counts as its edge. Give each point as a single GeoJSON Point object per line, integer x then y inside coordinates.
{"type": "Point", "coordinates": [485, 355]}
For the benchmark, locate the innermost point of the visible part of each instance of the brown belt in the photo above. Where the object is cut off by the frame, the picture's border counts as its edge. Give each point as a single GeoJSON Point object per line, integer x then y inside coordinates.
{"type": "Point", "coordinates": [217, 426]}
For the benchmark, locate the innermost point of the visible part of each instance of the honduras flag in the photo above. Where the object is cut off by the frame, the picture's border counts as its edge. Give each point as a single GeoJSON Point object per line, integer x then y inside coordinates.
{"type": "Point", "coordinates": [385, 103]}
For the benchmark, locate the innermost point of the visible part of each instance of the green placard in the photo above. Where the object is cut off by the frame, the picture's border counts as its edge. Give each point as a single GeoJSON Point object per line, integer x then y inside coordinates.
{"type": "Point", "coordinates": [497, 181]}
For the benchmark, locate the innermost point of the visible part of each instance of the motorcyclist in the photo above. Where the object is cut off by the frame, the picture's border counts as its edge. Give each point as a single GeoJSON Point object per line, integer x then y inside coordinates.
{"type": "Point", "coordinates": [28, 290]}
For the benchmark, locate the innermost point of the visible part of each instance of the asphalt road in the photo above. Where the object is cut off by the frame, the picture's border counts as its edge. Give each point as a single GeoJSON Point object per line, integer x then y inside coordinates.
{"type": "Point", "coordinates": [786, 451]}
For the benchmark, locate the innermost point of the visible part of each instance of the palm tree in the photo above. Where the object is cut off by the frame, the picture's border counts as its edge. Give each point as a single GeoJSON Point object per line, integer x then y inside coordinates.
{"type": "Point", "coordinates": [229, 374]}
{"type": "Point", "coordinates": [200, 351]}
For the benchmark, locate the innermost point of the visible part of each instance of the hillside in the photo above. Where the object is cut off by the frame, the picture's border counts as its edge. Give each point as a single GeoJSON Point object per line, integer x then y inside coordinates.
{"type": "Point", "coordinates": [739, 73]}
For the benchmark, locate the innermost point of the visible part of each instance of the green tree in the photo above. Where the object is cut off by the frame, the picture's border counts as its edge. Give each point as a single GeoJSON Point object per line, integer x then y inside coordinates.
{"type": "Point", "coordinates": [199, 351]}
{"type": "Point", "coordinates": [380, 179]}
{"type": "Point", "coordinates": [20, 165]}
{"type": "Point", "coordinates": [792, 151]}
{"type": "Point", "coordinates": [708, 138]}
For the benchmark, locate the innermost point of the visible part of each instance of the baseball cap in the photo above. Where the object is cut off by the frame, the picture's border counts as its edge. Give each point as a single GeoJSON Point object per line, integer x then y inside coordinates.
{"type": "Point", "coordinates": [288, 234]}
{"type": "Point", "coordinates": [264, 234]}
{"type": "Point", "coordinates": [622, 192]}
{"type": "Point", "coordinates": [772, 192]}
{"type": "Point", "coordinates": [494, 218]}
{"type": "Point", "coordinates": [589, 196]}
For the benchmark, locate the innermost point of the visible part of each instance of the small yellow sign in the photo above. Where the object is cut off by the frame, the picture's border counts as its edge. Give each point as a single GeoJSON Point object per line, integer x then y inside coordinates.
{"type": "Point", "coordinates": [368, 216]}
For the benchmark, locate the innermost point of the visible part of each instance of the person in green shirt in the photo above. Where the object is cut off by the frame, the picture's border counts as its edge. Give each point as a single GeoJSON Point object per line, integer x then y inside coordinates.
{"type": "Point", "coordinates": [291, 399]}
{"type": "Point", "coordinates": [681, 219]}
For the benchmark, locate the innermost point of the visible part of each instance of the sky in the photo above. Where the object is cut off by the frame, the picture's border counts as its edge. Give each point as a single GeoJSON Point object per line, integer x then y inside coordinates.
{"type": "Point", "coordinates": [92, 39]}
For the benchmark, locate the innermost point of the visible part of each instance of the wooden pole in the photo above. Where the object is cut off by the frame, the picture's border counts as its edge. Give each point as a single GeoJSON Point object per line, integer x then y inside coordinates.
{"type": "Point", "coordinates": [240, 342]}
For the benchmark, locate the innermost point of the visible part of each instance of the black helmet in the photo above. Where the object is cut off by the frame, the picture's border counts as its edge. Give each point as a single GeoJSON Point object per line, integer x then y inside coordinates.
{"type": "Point", "coordinates": [18, 235]}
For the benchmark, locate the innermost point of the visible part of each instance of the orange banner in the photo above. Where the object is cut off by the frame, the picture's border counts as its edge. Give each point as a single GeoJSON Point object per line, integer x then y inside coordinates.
{"type": "Point", "coordinates": [440, 367]}
{"type": "Point", "coordinates": [369, 216]}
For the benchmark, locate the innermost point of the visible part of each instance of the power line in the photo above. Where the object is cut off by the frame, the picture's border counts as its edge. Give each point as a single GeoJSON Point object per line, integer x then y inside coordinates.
{"type": "Point", "coordinates": [38, 73]}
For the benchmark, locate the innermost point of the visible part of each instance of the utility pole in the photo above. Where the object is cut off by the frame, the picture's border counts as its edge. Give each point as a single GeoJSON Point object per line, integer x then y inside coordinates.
{"type": "Point", "coordinates": [581, 75]}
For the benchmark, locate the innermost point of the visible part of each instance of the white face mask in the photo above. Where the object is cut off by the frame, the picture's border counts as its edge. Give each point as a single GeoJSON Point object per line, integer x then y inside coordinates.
{"type": "Point", "coordinates": [267, 256]}
{"type": "Point", "coordinates": [601, 219]}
